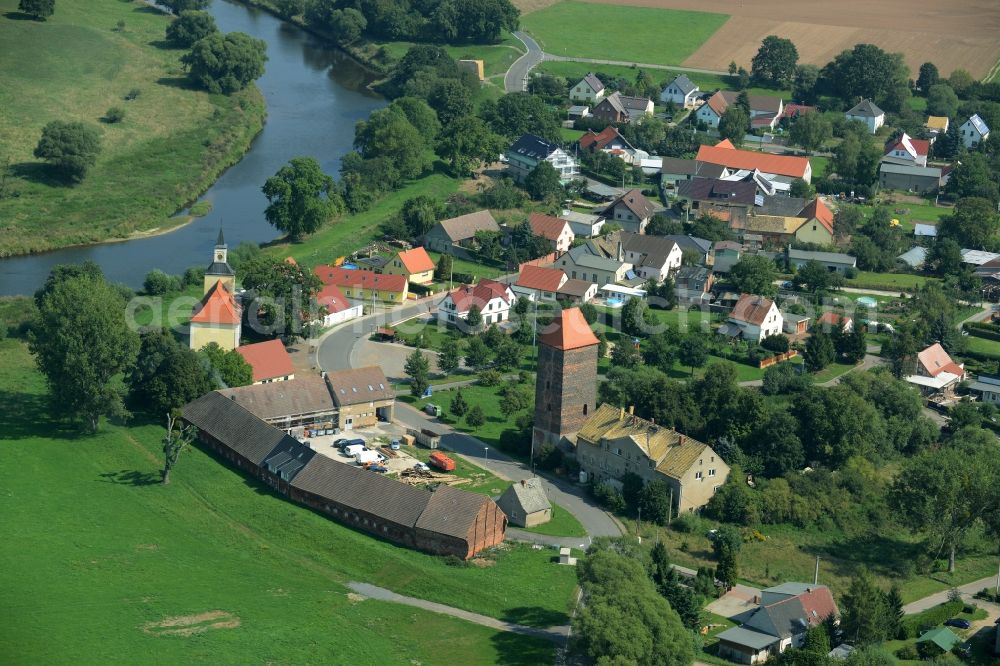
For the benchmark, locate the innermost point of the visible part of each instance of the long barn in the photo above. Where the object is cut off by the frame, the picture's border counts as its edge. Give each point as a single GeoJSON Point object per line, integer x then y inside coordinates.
{"type": "Point", "coordinates": [446, 521]}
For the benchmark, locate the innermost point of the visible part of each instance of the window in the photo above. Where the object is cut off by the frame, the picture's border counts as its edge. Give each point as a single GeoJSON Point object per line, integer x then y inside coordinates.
{"type": "Point", "coordinates": [697, 476]}
{"type": "Point", "coordinates": [584, 409]}
{"type": "Point", "coordinates": [711, 472]}
{"type": "Point", "coordinates": [618, 451]}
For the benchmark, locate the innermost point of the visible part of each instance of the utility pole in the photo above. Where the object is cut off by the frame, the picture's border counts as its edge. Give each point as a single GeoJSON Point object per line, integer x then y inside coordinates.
{"type": "Point", "coordinates": [816, 572]}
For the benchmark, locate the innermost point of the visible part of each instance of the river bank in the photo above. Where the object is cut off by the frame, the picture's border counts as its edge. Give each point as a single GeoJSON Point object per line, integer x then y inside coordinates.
{"type": "Point", "coordinates": [172, 145]}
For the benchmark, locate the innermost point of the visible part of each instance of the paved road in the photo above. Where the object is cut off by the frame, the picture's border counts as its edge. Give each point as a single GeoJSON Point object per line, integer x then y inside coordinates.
{"type": "Point", "coordinates": [555, 634]}
{"type": "Point", "coordinates": [516, 78]}
{"type": "Point", "coordinates": [593, 518]}
{"type": "Point", "coordinates": [932, 600]}
{"type": "Point", "coordinates": [629, 63]}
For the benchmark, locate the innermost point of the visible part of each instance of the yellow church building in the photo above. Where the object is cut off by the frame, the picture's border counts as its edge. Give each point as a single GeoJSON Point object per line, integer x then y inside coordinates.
{"type": "Point", "coordinates": [218, 317]}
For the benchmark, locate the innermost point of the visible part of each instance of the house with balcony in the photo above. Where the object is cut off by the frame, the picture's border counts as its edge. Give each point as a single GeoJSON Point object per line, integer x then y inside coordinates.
{"type": "Point", "coordinates": [530, 150]}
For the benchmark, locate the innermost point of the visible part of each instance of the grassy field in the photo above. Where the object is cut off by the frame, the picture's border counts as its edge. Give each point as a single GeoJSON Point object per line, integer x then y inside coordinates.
{"type": "Point", "coordinates": [926, 213]}
{"type": "Point", "coordinates": [99, 558]}
{"type": "Point", "coordinates": [983, 346]}
{"type": "Point", "coordinates": [351, 232]}
{"type": "Point", "coordinates": [887, 281]}
{"type": "Point", "coordinates": [657, 36]}
{"type": "Point", "coordinates": [170, 147]}
{"type": "Point", "coordinates": [562, 524]}
{"type": "Point", "coordinates": [486, 398]}
{"type": "Point", "coordinates": [497, 58]}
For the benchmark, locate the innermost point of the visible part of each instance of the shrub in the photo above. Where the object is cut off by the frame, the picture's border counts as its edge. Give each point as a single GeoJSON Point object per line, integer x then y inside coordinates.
{"type": "Point", "coordinates": [913, 624]}
{"type": "Point", "coordinates": [158, 283]}
{"type": "Point", "coordinates": [907, 652]}
{"type": "Point", "coordinates": [490, 378]}
{"type": "Point", "coordinates": [609, 497]}
{"type": "Point", "coordinates": [193, 276]}
{"type": "Point", "coordinates": [690, 523]}
{"type": "Point", "coordinates": [115, 114]}
{"type": "Point", "coordinates": [776, 343]}
{"type": "Point", "coordinates": [132, 94]}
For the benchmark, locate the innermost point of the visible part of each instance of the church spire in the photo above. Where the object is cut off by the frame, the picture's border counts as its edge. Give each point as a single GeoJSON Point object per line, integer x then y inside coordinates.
{"type": "Point", "coordinates": [221, 241]}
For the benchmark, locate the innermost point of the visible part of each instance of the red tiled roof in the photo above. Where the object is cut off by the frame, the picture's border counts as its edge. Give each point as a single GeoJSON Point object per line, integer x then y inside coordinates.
{"type": "Point", "coordinates": [268, 359]}
{"type": "Point", "coordinates": [751, 309]}
{"type": "Point", "coordinates": [718, 103]}
{"type": "Point", "coordinates": [795, 110]}
{"type": "Point", "coordinates": [416, 260]}
{"type": "Point", "coordinates": [818, 604]}
{"type": "Point", "coordinates": [345, 277]}
{"type": "Point", "coordinates": [466, 296]}
{"type": "Point", "coordinates": [538, 277]}
{"type": "Point", "coordinates": [600, 140]}
{"type": "Point", "coordinates": [817, 210]}
{"type": "Point", "coordinates": [569, 330]}
{"type": "Point", "coordinates": [935, 360]}
{"type": "Point", "coordinates": [333, 299]}
{"type": "Point", "coordinates": [834, 319]}
{"type": "Point", "coordinates": [920, 146]}
{"type": "Point", "coordinates": [547, 226]}
{"type": "Point", "coordinates": [725, 154]}
{"type": "Point", "coordinates": [217, 307]}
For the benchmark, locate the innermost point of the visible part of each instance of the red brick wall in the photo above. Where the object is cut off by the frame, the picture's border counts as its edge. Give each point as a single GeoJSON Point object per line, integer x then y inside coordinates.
{"type": "Point", "coordinates": [565, 391]}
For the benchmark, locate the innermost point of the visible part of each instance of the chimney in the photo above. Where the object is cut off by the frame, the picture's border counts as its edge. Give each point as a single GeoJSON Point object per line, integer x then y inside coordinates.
{"type": "Point", "coordinates": [680, 440]}
{"type": "Point", "coordinates": [621, 414]}
{"type": "Point", "coordinates": [621, 252]}
{"type": "Point", "coordinates": [631, 410]}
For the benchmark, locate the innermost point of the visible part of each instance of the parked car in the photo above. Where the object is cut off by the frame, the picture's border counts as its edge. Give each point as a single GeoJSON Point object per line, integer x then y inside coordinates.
{"type": "Point", "coordinates": [378, 469]}
{"type": "Point", "coordinates": [422, 467]}
{"type": "Point", "coordinates": [366, 457]}
{"type": "Point", "coordinates": [958, 622]}
{"type": "Point", "coordinates": [394, 445]}
{"type": "Point", "coordinates": [432, 410]}
{"type": "Point", "coordinates": [344, 443]}
{"type": "Point", "coordinates": [352, 450]}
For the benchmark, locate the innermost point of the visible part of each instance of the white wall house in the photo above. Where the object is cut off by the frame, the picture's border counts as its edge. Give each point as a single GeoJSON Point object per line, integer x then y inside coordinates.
{"type": "Point", "coordinates": [529, 150]}
{"type": "Point", "coordinates": [681, 91]}
{"type": "Point", "coordinates": [973, 130]}
{"type": "Point", "coordinates": [865, 111]}
{"type": "Point", "coordinates": [588, 89]}
{"type": "Point", "coordinates": [755, 318]}
{"type": "Point", "coordinates": [494, 300]}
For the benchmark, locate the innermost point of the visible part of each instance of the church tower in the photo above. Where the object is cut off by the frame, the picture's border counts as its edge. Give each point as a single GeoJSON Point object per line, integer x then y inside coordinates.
{"type": "Point", "coordinates": [219, 269]}
{"type": "Point", "coordinates": [566, 380]}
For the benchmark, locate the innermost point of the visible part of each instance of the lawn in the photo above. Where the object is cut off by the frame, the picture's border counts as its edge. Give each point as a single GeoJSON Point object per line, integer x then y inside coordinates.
{"type": "Point", "coordinates": [657, 36]}
{"type": "Point", "coordinates": [789, 554]}
{"type": "Point", "coordinates": [497, 58]}
{"type": "Point", "coordinates": [487, 399]}
{"type": "Point", "coordinates": [172, 144]}
{"type": "Point", "coordinates": [562, 524]}
{"type": "Point", "coordinates": [350, 232]}
{"type": "Point", "coordinates": [98, 557]}
{"type": "Point", "coordinates": [982, 346]}
{"type": "Point", "coordinates": [887, 281]}
{"type": "Point", "coordinates": [570, 135]}
{"type": "Point", "coordinates": [475, 269]}
{"type": "Point", "coordinates": [819, 165]}
{"type": "Point", "coordinates": [926, 213]}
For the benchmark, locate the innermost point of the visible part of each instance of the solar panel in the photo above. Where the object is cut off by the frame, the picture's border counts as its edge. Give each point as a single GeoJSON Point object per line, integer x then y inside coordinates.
{"type": "Point", "coordinates": [758, 199]}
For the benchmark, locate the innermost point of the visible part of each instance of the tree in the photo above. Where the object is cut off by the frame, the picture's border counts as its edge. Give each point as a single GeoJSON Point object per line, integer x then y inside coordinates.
{"type": "Point", "coordinates": [811, 131]}
{"type": "Point", "coordinates": [40, 9]}
{"type": "Point", "coordinates": [388, 133]}
{"type": "Point", "coordinates": [301, 198]}
{"type": "Point", "coordinates": [459, 407]}
{"type": "Point", "coordinates": [513, 400]}
{"type": "Point", "coordinates": [467, 144]}
{"type": "Point", "coordinates": [178, 6]}
{"type": "Point", "coordinates": [625, 355]}
{"type": "Point", "coordinates": [693, 352]}
{"type": "Point", "coordinates": [279, 298]}
{"type": "Point", "coordinates": [623, 619]}
{"type": "Point", "coordinates": [347, 25]}
{"type": "Point", "coordinates": [866, 71]}
{"type": "Point", "coordinates": [477, 22]}
{"type": "Point", "coordinates": [166, 374]}
{"type": "Point", "coordinates": [177, 438]}
{"type": "Point", "coordinates": [973, 223]}
{"type": "Point", "coordinates": [518, 113]}
{"type": "Point", "coordinates": [735, 124]}
{"type": "Point", "coordinates": [654, 502]}
{"type": "Point", "coordinates": [543, 182]}
{"type": "Point", "coordinates": [804, 84]}
{"type": "Point", "coordinates": [475, 418]}
{"type": "Point", "coordinates": [229, 368]}
{"type": "Point", "coordinates": [801, 189]}
{"type": "Point", "coordinates": [474, 319]}
{"type": "Point", "coordinates": [442, 272]}
{"type": "Point", "coordinates": [815, 277]}
{"type": "Point", "coordinates": [754, 274]}
{"type": "Point", "coordinates": [927, 77]}
{"type": "Point", "coordinates": [777, 442]}
{"type": "Point", "coordinates": [450, 357]}
{"type": "Point", "coordinates": [852, 346]}
{"type": "Point", "coordinates": [856, 159]}
{"type": "Point", "coordinates": [634, 317]}
{"type": "Point", "coordinates": [894, 611]}
{"type": "Point", "coordinates": [944, 256]}
{"type": "Point", "coordinates": [942, 101]}
{"type": "Point", "coordinates": [477, 354]}
{"type": "Point", "coordinates": [864, 617]}
{"type": "Point", "coordinates": [727, 547]}
{"type": "Point", "coordinates": [190, 27]}
{"type": "Point", "coordinates": [742, 79]}
{"type": "Point", "coordinates": [960, 81]}
{"type": "Point", "coordinates": [83, 345]}
{"type": "Point", "coordinates": [774, 64]}
{"type": "Point", "coordinates": [819, 352]}
{"type": "Point", "coordinates": [418, 369]}
{"type": "Point", "coordinates": [290, 8]}
{"type": "Point", "coordinates": [70, 147]}
{"type": "Point", "coordinates": [945, 492]}
{"type": "Point", "coordinates": [158, 283]}
{"type": "Point", "coordinates": [226, 63]}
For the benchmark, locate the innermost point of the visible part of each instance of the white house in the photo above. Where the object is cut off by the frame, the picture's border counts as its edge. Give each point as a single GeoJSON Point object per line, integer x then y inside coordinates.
{"type": "Point", "coordinates": [765, 110]}
{"type": "Point", "coordinates": [494, 300]}
{"type": "Point", "coordinates": [632, 210]}
{"type": "Point", "coordinates": [338, 308]}
{"type": "Point", "coordinates": [529, 150]}
{"type": "Point", "coordinates": [907, 151]}
{"type": "Point", "coordinates": [538, 283]}
{"type": "Point", "coordinates": [556, 230]}
{"type": "Point", "coordinates": [865, 111]}
{"type": "Point", "coordinates": [652, 257]}
{"type": "Point", "coordinates": [973, 131]}
{"type": "Point", "coordinates": [754, 318]}
{"type": "Point", "coordinates": [588, 89]}
{"type": "Point", "coordinates": [681, 91]}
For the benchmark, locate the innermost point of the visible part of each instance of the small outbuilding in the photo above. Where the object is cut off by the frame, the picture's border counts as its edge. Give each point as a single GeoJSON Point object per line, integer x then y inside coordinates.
{"type": "Point", "coordinates": [525, 503]}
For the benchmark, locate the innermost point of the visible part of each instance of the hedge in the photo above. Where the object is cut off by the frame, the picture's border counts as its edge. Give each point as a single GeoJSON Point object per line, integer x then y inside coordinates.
{"type": "Point", "coordinates": [982, 330]}
{"type": "Point", "coordinates": [914, 624]}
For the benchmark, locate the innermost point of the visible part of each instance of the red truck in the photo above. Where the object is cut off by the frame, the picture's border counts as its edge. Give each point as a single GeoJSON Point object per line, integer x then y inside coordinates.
{"type": "Point", "coordinates": [442, 462]}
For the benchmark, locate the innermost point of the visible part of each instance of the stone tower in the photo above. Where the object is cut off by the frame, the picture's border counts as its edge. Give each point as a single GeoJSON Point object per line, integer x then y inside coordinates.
{"type": "Point", "coordinates": [219, 269]}
{"type": "Point", "coordinates": [566, 381]}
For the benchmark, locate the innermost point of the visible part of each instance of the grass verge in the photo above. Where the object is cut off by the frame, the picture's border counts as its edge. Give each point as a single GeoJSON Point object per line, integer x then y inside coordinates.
{"type": "Point", "coordinates": [171, 146]}
{"type": "Point", "coordinates": [563, 524]}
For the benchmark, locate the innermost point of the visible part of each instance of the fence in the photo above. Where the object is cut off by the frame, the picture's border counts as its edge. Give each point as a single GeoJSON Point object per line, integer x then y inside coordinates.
{"type": "Point", "coordinates": [777, 358]}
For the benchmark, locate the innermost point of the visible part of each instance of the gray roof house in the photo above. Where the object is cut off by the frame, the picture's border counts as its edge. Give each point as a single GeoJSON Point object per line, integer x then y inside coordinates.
{"type": "Point", "coordinates": [914, 257]}
{"type": "Point", "coordinates": [866, 112]}
{"type": "Point", "coordinates": [460, 231]}
{"type": "Point", "coordinates": [834, 261]}
{"type": "Point", "coordinates": [525, 503]}
{"type": "Point", "coordinates": [528, 151]}
{"type": "Point", "coordinates": [632, 211]}
{"type": "Point", "coordinates": [692, 245]}
{"type": "Point", "coordinates": [973, 130]}
{"type": "Point", "coordinates": [681, 91]}
{"type": "Point", "coordinates": [581, 264]}
{"type": "Point", "coordinates": [910, 178]}
{"type": "Point", "coordinates": [693, 285]}
{"type": "Point", "coordinates": [588, 89]}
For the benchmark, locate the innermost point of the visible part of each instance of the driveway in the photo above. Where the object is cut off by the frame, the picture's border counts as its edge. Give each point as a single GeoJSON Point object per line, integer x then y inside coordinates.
{"type": "Point", "coordinates": [937, 598]}
{"type": "Point", "coordinates": [739, 600]}
{"type": "Point", "coordinates": [516, 78]}
{"type": "Point", "coordinates": [595, 520]}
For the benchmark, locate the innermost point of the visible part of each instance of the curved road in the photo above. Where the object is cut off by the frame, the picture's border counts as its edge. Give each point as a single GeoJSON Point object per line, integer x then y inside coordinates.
{"type": "Point", "coordinates": [516, 78]}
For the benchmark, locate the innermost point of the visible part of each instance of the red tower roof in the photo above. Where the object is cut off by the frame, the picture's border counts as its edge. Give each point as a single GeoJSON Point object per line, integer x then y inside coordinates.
{"type": "Point", "coordinates": [217, 307]}
{"type": "Point", "coordinates": [568, 331]}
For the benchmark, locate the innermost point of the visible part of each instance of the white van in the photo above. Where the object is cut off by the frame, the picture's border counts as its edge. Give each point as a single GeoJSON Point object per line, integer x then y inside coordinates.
{"type": "Point", "coordinates": [354, 449]}
{"type": "Point", "coordinates": [365, 457]}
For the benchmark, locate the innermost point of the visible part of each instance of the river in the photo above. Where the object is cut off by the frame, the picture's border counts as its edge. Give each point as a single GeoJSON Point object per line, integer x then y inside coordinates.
{"type": "Point", "coordinates": [315, 95]}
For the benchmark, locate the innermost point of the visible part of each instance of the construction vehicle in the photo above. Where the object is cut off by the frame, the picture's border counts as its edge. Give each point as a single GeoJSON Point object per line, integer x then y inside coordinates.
{"type": "Point", "coordinates": [425, 437]}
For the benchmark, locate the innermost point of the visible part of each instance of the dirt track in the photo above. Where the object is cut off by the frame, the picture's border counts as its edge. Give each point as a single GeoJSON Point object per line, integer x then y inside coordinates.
{"type": "Point", "coordinates": [950, 33]}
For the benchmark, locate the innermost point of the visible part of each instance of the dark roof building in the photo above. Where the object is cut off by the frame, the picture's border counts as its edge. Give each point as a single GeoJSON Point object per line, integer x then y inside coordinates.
{"type": "Point", "coordinates": [286, 404]}
{"type": "Point", "coordinates": [359, 385]}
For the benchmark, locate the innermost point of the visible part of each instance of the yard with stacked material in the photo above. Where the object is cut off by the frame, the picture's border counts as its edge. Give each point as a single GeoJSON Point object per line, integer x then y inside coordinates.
{"type": "Point", "coordinates": [171, 145]}
{"type": "Point", "coordinates": [952, 34]}
{"type": "Point", "coordinates": [102, 560]}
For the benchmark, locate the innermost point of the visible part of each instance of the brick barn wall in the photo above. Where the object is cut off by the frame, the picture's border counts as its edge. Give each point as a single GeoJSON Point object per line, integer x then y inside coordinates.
{"type": "Point", "coordinates": [359, 520]}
